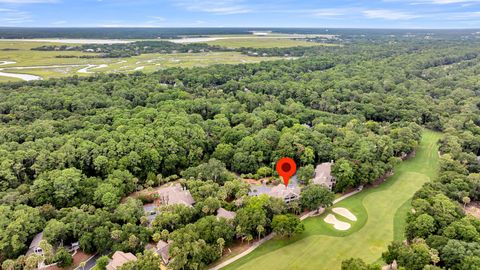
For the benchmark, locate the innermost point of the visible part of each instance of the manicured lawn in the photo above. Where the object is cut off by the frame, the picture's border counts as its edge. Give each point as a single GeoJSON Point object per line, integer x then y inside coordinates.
{"type": "Point", "coordinates": [380, 212]}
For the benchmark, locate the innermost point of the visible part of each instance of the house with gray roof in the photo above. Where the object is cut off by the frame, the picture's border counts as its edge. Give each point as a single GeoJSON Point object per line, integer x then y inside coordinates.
{"type": "Point", "coordinates": [162, 249]}
{"type": "Point", "coordinates": [34, 247]}
{"type": "Point", "coordinates": [223, 213]}
{"type": "Point", "coordinates": [323, 175]}
{"type": "Point", "coordinates": [287, 194]}
{"type": "Point", "coordinates": [175, 194]}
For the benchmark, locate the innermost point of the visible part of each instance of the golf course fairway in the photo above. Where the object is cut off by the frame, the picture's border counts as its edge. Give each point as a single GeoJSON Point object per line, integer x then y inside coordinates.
{"type": "Point", "coordinates": [380, 213]}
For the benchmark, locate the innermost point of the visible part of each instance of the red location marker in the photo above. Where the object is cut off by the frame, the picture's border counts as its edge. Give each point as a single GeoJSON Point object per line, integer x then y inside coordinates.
{"type": "Point", "coordinates": [286, 168]}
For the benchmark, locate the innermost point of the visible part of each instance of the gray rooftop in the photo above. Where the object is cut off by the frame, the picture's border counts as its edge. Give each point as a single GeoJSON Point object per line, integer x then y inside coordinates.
{"type": "Point", "coordinates": [223, 213]}
{"type": "Point", "coordinates": [175, 194]}
{"type": "Point", "coordinates": [280, 191]}
{"type": "Point", "coordinates": [36, 240]}
{"type": "Point", "coordinates": [163, 249]}
{"type": "Point", "coordinates": [323, 175]}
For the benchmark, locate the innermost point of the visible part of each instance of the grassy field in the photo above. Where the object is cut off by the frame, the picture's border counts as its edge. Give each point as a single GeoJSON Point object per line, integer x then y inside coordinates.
{"type": "Point", "coordinates": [380, 212]}
{"type": "Point", "coordinates": [258, 42]}
{"type": "Point", "coordinates": [25, 57]}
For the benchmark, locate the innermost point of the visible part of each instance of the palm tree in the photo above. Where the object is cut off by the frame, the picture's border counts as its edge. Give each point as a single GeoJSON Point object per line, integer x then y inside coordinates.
{"type": "Point", "coordinates": [260, 230]}
{"type": "Point", "coordinates": [249, 238]}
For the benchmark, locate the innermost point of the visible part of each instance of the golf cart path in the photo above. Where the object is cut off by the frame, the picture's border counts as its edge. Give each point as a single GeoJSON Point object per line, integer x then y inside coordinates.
{"type": "Point", "coordinates": [271, 235]}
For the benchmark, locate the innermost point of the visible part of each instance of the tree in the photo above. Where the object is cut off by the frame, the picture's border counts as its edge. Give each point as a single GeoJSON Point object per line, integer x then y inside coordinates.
{"type": "Point", "coordinates": [287, 225]}
{"type": "Point", "coordinates": [213, 170]}
{"type": "Point", "coordinates": [343, 170]}
{"type": "Point", "coordinates": [146, 261]}
{"type": "Point", "coordinates": [63, 258]}
{"type": "Point", "coordinates": [260, 230]}
{"type": "Point", "coordinates": [130, 212]}
{"type": "Point", "coordinates": [55, 232]}
{"type": "Point", "coordinates": [455, 251]}
{"type": "Point", "coordinates": [32, 261]}
{"type": "Point", "coordinates": [315, 196]}
{"type": "Point", "coordinates": [305, 174]}
{"type": "Point", "coordinates": [465, 200]}
{"type": "Point", "coordinates": [421, 227]}
{"type": "Point", "coordinates": [358, 264]}
{"type": "Point", "coordinates": [221, 245]}
{"type": "Point", "coordinates": [264, 171]}
{"type": "Point", "coordinates": [8, 265]}
{"type": "Point", "coordinates": [102, 262]}
{"type": "Point", "coordinates": [47, 251]}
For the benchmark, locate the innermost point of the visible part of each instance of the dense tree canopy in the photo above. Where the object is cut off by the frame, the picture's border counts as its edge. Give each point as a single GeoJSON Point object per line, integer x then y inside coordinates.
{"type": "Point", "coordinates": [72, 149]}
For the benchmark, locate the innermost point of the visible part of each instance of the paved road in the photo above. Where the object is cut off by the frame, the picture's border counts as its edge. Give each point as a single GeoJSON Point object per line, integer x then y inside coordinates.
{"type": "Point", "coordinates": [91, 262]}
{"type": "Point", "coordinates": [271, 235]}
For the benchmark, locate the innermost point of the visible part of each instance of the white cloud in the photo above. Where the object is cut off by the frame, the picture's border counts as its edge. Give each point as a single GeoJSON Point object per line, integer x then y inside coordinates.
{"type": "Point", "coordinates": [330, 12]}
{"type": "Point", "coordinates": [158, 18]}
{"type": "Point", "coordinates": [220, 7]}
{"type": "Point", "coordinates": [387, 14]}
{"type": "Point", "coordinates": [14, 17]}
{"type": "Point", "coordinates": [463, 15]}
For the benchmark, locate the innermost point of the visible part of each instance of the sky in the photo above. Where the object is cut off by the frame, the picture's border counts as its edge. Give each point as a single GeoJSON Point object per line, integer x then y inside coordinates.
{"type": "Point", "coordinates": [242, 13]}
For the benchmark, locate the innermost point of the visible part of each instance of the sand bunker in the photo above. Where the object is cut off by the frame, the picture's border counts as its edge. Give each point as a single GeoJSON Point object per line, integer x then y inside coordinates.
{"type": "Point", "coordinates": [345, 213]}
{"type": "Point", "coordinates": [337, 224]}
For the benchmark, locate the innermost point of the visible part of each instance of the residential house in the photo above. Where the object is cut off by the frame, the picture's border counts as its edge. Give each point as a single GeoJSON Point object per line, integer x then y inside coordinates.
{"type": "Point", "coordinates": [287, 194]}
{"type": "Point", "coordinates": [163, 249]}
{"type": "Point", "coordinates": [34, 247]}
{"type": "Point", "coordinates": [223, 213]}
{"type": "Point", "coordinates": [175, 194]}
{"type": "Point", "coordinates": [120, 258]}
{"type": "Point", "coordinates": [323, 175]}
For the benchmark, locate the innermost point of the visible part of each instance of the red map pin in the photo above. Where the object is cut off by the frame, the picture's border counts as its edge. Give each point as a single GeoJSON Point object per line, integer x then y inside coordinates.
{"type": "Point", "coordinates": [286, 168]}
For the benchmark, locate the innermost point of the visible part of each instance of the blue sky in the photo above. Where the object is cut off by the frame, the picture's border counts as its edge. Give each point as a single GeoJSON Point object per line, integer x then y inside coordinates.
{"type": "Point", "coordinates": [242, 13]}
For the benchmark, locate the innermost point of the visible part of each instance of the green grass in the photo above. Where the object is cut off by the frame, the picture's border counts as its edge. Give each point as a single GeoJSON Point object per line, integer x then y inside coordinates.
{"type": "Point", "coordinates": [380, 212]}
{"type": "Point", "coordinates": [259, 42]}
{"type": "Point", "coordinates": [151, 62]}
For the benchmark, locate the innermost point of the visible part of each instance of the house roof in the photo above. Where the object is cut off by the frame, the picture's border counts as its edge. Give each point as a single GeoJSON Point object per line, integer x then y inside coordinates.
{"type": "Point", "coordinates": [35, 244]}
{"type": "Point", "coordinates": [119, 258]}
{"type": "Point", "coordinates": [323, 174]}
{"type": "Point", "coordinates": [175, 194]}
{"type": "Point", "coordinates": [36, 240]}
{"type": "Point", "coordinates": [162, 249]}
{"type": "Point", "coordinates": [223, 213]}
{"type": "Point", "coordinates": [281, 191]}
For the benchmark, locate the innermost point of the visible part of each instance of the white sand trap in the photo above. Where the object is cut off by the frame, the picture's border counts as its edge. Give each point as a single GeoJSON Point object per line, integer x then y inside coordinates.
{"type": "Point", "coordinates": [345, 213]}
{"type": "Point", "coordinates": [337, 224]}
{"type": "Point", "coordinates": [139, 68]}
